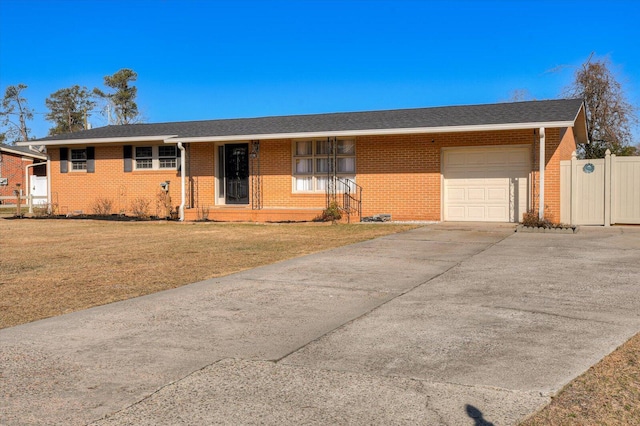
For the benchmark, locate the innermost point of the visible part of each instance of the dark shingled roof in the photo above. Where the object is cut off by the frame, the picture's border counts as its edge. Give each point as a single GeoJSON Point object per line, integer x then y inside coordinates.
{"type": "Point", "coordinates": [561, 110]}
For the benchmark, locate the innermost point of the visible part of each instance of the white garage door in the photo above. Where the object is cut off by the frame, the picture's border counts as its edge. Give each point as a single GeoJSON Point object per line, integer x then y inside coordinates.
{"type": "Point", "coordinates": [485, 184]}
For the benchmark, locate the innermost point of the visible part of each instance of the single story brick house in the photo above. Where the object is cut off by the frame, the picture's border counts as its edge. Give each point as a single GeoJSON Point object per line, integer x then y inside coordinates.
{"type": "Point", "coordinates": [456, 163]}
{"type": "Point", "coordinates": [17, 165]}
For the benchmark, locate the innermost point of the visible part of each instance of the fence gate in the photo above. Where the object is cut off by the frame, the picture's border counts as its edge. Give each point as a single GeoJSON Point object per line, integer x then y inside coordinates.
{"type": "Point", "coordinates": [38, 186]}
{"type": "Point", "coordinates": [600, 191]}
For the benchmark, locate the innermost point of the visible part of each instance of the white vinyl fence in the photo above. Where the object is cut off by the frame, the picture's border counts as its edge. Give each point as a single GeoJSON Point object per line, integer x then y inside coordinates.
{"type": "Point", "coordinates": [602, 191]}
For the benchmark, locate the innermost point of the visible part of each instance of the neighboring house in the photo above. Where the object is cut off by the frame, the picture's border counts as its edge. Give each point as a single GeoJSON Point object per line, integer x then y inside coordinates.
{"type": "Point", "coordinates": [13, 170]}
{"type": "Point", "coordinates": [458, 163]}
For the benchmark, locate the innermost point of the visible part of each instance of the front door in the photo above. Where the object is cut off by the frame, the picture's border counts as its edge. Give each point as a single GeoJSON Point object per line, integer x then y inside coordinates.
{"type": "Point", "coordinates": [236, 173]}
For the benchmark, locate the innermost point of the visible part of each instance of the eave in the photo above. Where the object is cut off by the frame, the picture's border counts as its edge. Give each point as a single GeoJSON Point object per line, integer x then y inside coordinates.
{"type": "Point", "coordinates": [94, 141]}
{"type": "Point", "coordinates": [315, 134]}
{"type": "Point", "coordinates": [24, 154]}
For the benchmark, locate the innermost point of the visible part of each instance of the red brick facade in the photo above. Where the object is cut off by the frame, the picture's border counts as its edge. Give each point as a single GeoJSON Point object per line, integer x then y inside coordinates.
{"type": "Point", "coordinates": [400, 175]}
{"type": "Point", "coordinates": [12, 167]}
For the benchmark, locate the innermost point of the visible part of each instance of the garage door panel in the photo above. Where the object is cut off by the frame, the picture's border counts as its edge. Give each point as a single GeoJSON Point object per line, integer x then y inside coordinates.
{"type": "Point", "coordinates": [497, 213]}
{"type": "Point", "coordinates": [497, 194]}
{"type": "Point", "coordinates": [456, 213]}
{"type": "Point", "coordinates": [456, 194]}
{"type": "Point", "coordinates": [519, 158]}
{"type": "Point", "coordinates": [476, 158]}
{"type": "Point", "coordinates": [485, 184]}
{"type": "Point", "coordinates": [499, 158]}
{"type": "Point", "coordinates": [455, 159]}
{"type": "Point", "coordinates": [476, 213]}
{"type": "Point", "coordinates": [476, 194]}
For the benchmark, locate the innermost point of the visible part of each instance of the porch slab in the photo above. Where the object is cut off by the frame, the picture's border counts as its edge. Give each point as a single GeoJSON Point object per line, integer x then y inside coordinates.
{"type": "Point", "coordinates": [246, 214]}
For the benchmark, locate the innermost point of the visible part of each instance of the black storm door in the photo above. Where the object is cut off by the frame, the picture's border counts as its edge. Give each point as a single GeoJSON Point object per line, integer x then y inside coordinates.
{"type": "Point", "coordinates": [236, 173]}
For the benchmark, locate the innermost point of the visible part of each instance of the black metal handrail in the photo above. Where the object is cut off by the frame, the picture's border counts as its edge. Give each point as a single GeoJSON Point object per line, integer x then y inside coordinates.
{"type": "Point", "coordinates": [351, 197]}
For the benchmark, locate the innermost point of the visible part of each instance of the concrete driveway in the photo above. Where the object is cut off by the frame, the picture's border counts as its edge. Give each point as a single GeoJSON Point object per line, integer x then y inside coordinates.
{"type": "Point", "coordinates": [447, 324]}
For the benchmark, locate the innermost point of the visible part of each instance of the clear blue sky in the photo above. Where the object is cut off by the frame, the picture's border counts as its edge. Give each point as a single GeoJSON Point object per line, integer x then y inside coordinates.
{"type": "Point", "coordinates": [224, 59]}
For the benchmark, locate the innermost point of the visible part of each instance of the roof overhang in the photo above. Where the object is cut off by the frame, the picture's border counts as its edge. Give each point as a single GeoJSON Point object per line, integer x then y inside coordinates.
{"type": "Point", "coordinates": [317, 134]}
{"type": "Point", "coordinates": [368, 132]}
{"type": "Point", "coordinates": [93, 141]}
{"type": "Point", "coordinates": [22, 153]}
{"type": "Point", "coordinates": [374, 132]}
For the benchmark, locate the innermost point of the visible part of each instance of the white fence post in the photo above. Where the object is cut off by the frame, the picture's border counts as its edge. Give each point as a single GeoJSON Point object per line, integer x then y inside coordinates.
{"type": "Point", "coordinates": [574, 189]}
{"type": "Point", "coordinates": [612, 192]}
{"type": "Point", "coordinates": [607, 188]}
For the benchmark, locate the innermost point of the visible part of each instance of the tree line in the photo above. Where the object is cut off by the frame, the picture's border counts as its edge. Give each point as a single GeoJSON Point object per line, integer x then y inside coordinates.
{"type": "Point", "coordinates": [70, 108]}
{"type": "Point", "coordinates": [610, 116]}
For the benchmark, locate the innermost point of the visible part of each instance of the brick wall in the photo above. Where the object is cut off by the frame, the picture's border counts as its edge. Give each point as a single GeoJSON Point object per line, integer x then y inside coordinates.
{"type": "Point", "coordinates": [400, 174]}
{"type": "Point", "coordinates": [77, 191]}
{"type": "Point", "coordinates": [12, 167]}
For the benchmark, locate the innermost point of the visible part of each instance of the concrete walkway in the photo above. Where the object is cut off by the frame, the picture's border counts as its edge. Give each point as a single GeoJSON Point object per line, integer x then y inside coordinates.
{"type": "Point", "coordinates": [447, 324]}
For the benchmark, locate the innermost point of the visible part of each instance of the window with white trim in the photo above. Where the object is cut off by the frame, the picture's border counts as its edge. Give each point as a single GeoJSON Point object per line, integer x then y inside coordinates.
{"type": "Point", "coordinates": [78, 158]}
{"type": "Point", "coordinates": [156, 157]}
{"type": "Point", "coordinates": [167, 157]}
{"type": "Point", "coordinates": [311, 163]}
{"type": "Point", "coordinates": [144, 157]}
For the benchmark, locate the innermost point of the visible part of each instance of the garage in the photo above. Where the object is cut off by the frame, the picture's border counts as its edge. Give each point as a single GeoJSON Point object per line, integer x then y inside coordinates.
{"type": "Point", "coordinates": [485, 184]}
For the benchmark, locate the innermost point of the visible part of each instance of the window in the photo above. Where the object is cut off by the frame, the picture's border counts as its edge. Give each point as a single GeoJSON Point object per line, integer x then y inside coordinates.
{"type": "Point", "coordinates": [167, 157]}
{"type": "Point", "coordinates": [156, 157]}
{"type": "Point", "coordinates": [144, 157]}
{"type": "Point", "coordinates": [78, 159]}
{"type": "Point", "coordinates": [311, 163]}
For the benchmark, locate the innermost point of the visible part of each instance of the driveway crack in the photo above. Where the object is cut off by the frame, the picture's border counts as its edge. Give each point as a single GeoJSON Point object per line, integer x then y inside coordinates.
{"type": "Point", "coordinates": [391, 299]}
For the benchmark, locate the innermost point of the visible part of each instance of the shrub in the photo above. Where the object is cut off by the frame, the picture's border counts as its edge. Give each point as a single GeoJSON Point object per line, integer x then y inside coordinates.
{"type": "Point", "coordinates": [140, 207]}
{"type": "Point", "coordinates": [41, 210]}
{"type": "Point", "coordinates": [203, 214]}
{"type": "Point", "coordinates": [532, 220]}
{"type": "Point", "coordinates": [102, 206]}
{"type": "Point", "coordinates": [163, 205]}
{"type": "Point", "coordinates": [331, 213]}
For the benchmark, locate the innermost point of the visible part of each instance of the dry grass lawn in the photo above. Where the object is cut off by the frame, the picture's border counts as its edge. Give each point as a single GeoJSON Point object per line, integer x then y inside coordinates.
{"type": "Point", "coordinates": [606, 394]}
{"type": "Point", "coordinates": [52, 267]}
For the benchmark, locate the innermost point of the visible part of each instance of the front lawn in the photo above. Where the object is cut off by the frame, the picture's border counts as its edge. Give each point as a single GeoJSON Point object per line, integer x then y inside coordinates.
{"type": "Point", "coordinates": [55, 266]}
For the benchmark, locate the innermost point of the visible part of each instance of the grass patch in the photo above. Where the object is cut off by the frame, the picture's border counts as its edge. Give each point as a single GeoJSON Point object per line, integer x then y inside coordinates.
{"type": "Point", "coordinates": [606, 394]}
{"type": "Point", "coordinates": [11, 211]}
{"type": "Point", "coordinates": [53, 267]}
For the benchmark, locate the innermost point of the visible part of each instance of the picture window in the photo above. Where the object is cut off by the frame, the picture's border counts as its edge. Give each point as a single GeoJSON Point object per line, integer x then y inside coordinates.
{"type": "Point", "coordinates": [311, 164]}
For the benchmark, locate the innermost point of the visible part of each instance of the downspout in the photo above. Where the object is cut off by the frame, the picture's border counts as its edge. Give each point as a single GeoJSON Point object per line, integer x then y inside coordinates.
{"type": "Point", "coordinates": [541, 187]}
{"type": "Point", "coordinates": [183, 181]}
{"type": "Point", "coordinates": [50, 207]}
